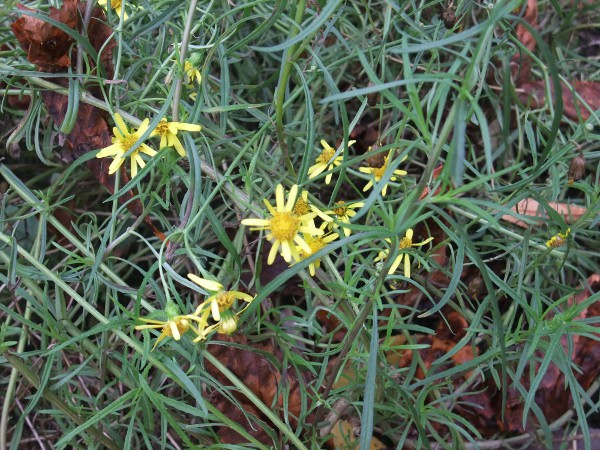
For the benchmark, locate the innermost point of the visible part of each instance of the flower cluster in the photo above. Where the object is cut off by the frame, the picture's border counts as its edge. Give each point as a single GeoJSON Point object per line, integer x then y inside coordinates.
{"type": "Point", "coordinates": [219, 304]}
{"type": "Point", "coordinates": [291, 227]}
{"type": "Point", "coordinates": [296, 228]}
{"type": "Point", "coordinates": [125, 140]}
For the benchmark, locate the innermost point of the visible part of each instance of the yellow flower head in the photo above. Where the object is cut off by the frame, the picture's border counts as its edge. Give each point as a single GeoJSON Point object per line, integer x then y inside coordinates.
{"type": "Point", "coordinates": [284, 226]}
{"type": "Point", "coordinates": [405, 243]}
{"type": "Point", "coordinates": [220, 300]}
{"type": "Point", "coordinates": [316, 243]}
{"type": "Point", "coordinates": [117, 5]}
{"type": "Point", "coordinates": [304, 207]}
{"type": "Point", "coordinates": [326, 161]}
{"type": "Point", "coordinates": [191, 72]}
{"type": "Point", "coordinates": [122, 141]}
{"type": "Point", "coordinates": [168, 134]}
{"type": "Point", "coordinates": [176, 325]}
{"type": "Point", "coordinates": [558, 240]}
{"type": "Point", "coordinates": [219, 303]}
{"type": "Point", "coordinates": [378, 173]}
{"type": "Point", "coordinates": [343, 212]}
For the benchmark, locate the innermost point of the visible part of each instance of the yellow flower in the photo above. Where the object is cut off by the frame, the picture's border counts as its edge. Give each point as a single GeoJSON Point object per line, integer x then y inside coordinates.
{"type": "Point", "coordinates": [285, 225]}
{"type": "Point", "coordinates": [344, 212]}
{"type": "Point", "coordinates": [558, 240]}
{"type": "Point", "coordinates": [405, 243]}
{"type": "Point", "coordinates": [326, 161]}
{"type": "Point", "coordinates": [220, 300]}
{"type": "Point", "coordinates": [316, 243]}
{"type": "Point", "coordinates": [303, 207]}
{"type": "Point", "coordinates": [117, 5]}
{"type": "Point", "coordinates": [168, 134]}
{"type": "Point", "coordinates": [122, 141]}
{"type": "Point", "coordinates": [378, 173]}
{"type": "Point", "coordinates": [176, 325]}
{"type": "Point", "coordinates": [219, 304]}
{"type": "Point", "coordinates": [191, 72]}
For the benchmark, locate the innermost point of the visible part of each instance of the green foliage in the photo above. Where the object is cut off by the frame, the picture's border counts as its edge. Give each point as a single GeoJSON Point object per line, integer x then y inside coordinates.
{"type": "Point", "coordinates": [277, 77]}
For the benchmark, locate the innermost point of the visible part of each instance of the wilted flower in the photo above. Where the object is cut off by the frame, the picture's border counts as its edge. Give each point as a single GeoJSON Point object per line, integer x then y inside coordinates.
{"type": "Point", "coordinates": [284, 226]}
{"type": "Point", "coordinates": [191, 72]}
{"type": "Point", "coordinates": [220, 299]}
{"type": "Point", "coordinates": [576, 168]}
{"type": "Point", "coordinates": [558, 239]}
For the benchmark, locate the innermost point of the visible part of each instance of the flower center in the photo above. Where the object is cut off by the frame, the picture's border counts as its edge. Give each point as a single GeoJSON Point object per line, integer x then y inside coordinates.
{"type": "Point", "coordinates": [129, 141]}
{"type": "Point", "coordinates": [326, 155]}
{"type": "Point", "coordinates": [284, 226]}
{"type": "Point", "coordinates": [340, 211]}
{"type": "Point", "coordinates": [224, 300]}
{"type": "Point", "coordinates": [301, 207]}
{"type": "Point", "coordinates": [162, 127]}
{"type": "Point", "coordinates": [379, 171]}
{"type": "Point", "coordinates": [315, 244]}
{"type": "Point", "coordinates": [405, 242]}
{"type": "Point", "coordinates": [114, 4]}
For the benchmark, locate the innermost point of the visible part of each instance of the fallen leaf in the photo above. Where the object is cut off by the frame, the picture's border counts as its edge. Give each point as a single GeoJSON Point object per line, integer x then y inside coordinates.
{"type": "Point", "coordinates": [532, 208]}
{"type": "Point", "coordinates": [533, 95]}
{"type": "Point", "coordinates": [47, 46]}
{"type": "Point", "coordinates": [551, 396]}
{"type": "Point", "coordinates": [520, 64]}
{"type": "Point", "coordinates": [436, 173]}
{"type": "Point", "coordinates": [261, 376]}
{"type": "Point", "coordinates": [344, 436]}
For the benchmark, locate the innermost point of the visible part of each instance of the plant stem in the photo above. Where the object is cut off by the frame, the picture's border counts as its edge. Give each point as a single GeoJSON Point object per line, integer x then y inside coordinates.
{"type": "Point", "coordinates": [283, 81]}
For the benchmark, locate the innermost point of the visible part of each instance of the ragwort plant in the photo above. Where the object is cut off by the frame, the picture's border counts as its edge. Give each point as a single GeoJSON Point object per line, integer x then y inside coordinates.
{"type": "Point", "coordinates": [246, 129]}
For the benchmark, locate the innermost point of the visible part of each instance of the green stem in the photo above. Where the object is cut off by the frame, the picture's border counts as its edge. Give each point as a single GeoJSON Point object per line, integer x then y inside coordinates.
{"type": "Point", "coordinates": [283, 81]}
{"type": "Point", "coordinates": [182, 54]}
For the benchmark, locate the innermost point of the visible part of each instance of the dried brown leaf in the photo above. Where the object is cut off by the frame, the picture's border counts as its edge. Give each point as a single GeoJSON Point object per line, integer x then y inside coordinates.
{"type": "Point", "coordinates": [533, 95]}
{"type": "Point", "coordinates": [47, 46]}
{"type": "Point", "coordinates": [261, 377]}
{"type": "Point", "coordinates": [520, 63]}
{"type": "Point", "coordinates": [531, 207]}
{"type": "Point", "coordinates": [345, 436]}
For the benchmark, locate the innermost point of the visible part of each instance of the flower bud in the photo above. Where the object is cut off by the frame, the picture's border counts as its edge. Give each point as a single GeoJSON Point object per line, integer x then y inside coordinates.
{"type": "Point", "coordinates": [576, 168]}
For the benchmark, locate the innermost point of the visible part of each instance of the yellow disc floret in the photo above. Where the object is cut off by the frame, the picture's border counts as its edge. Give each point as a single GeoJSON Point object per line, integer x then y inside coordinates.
{"type": "Point", "coordinates": [162, 127]}
{"type": "Point", "coordinates": [225, 299]}
{"type": "Point", "coordinates": [325, 156]}
{"type": "Point", "coordinates": [302, 207]}
{"type": "Point", "coordinates": [341, 209]}
{"type": "Point", "coordinates": [129, 142]}
{"type": "Point", "coordinates": [284, 226]}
